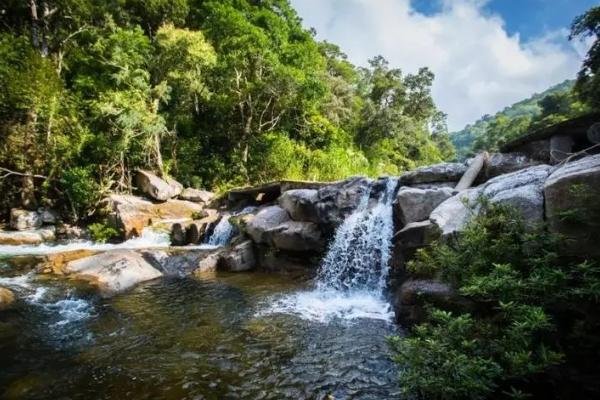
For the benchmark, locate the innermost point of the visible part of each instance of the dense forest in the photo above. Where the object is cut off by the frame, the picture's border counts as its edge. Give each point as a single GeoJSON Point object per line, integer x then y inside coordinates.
{"type": "Point", "coordinates": [214, 93]}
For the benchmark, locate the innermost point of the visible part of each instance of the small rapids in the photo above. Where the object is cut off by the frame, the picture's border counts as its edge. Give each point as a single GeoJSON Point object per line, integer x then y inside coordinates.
{"type": "Point", "coordinates": [353, 275]}
{"type": "Point", "coordinates": [149, 239]}
{"type": "Point", "coordinates": [222, 233]}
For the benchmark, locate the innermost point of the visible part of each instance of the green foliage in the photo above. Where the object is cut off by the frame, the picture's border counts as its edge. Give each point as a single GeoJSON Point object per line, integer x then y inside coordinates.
{"type": "Point", "coordinates": [555, 105]}
{"type": "Point", "coordinates": [521, 286]}
{"type": "Point", "coordinates": [215, 93]}
{"type": "Point", "coordinates": [82, 190]}
{"type": "Point", "coordinates": [102, 233]}
{"type": "Point", "coordinates": [588, 80]}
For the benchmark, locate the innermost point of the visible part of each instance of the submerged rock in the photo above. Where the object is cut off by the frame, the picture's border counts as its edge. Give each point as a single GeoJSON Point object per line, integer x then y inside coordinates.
{"type": "Point", "coordinates": [414, 205]}
{"type": "Point", "coordinates": [7, 298]}
{"type": "Point", "coordinates": [573, 205]}
{"type": "Point", "coordinates": [24, 220]}
{"type": "Point", "coordinates": [161, 189]}
{"type": "Point", "coordinates": [32, 237]}
{"type": "Point", "coordinates": [113, 272]}
{"type": "Point", "coordinates": [239, 258]}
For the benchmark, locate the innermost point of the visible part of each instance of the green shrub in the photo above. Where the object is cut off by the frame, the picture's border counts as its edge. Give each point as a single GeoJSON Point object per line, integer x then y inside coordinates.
{"type": "Point", "coordinates": [522, 288]}
{"type": "Point", "coordinates": [103, 233]}
{"type": "Point", "coordinates": [82, 190]}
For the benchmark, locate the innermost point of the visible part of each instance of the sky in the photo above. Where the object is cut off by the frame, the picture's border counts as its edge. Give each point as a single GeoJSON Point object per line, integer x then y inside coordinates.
{"type": "Point", "coordinates": [486, 54]}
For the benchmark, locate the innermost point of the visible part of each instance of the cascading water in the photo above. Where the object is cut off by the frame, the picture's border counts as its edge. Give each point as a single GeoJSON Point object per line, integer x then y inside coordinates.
{"type": "Point", "coordinates": [353, 275]}
{"type": "Point", "coordinates": [222, 233]}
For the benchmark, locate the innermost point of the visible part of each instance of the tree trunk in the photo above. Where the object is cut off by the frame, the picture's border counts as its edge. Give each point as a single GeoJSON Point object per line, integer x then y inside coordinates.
{"type": "Point", "coordinates": [34, 24]}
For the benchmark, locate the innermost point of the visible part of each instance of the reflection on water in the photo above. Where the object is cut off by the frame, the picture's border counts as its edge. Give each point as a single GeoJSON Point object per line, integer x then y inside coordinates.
{"type": "Point", "coordinates": [195, 338]}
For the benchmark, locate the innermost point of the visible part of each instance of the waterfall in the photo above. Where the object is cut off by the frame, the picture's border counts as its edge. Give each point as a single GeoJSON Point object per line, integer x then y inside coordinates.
{"type": "Point", "coordinates": [222, 233]}
{"type": "Point", "coordinates": [359, 256]}
{"type": "Point", "coordinates": [353, 275]}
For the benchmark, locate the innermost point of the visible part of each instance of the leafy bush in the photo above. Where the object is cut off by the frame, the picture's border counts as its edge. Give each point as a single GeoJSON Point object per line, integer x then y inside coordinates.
{"type": "Point", "coordinates": [522, 289]}
{"type": "Point", "coordinates": [82, 190]}
{"type": "Point", "coordinates": [103, 233]}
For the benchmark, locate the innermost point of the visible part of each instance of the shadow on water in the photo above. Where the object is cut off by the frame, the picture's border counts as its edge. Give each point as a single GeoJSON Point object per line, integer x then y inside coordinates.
{"type": "Point", "coordinates": [185, 338]}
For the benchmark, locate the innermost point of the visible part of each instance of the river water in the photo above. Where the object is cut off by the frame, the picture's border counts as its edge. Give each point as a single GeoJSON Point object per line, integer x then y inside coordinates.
{"type": "Point", "coordinates": [213, 337]}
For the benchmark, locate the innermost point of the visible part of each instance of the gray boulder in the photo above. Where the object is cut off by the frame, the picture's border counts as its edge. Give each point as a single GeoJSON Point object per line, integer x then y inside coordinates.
{"type": "Point", "coordinates": [340, 199]}
{"type": "Point", "coordinates": [31, 237]}
{"type": "Point", "coordinates": [523, 190]}
{"type": "Point", "coordinates": [444, 172]}
{"type": "Point", "coordinates": [573, 205]}
{"type": "Point", "coordinates": [298, 236]}
{"type": "Point", "coordinates": [239, 258]}
{"type": "Point", "coordinates": [113, 272]}
{"type": "Point", "coordinates": [301, 204]}
{"type": "Point", "coordinates": [416, 235]}
{"type": "Point", "coordinates": [197, 196]}
{"type": "Point", "coordinates": [262, 226]}
{"type": "Point", "coordinates": [413, 205]}
{"type": "Point", "coordinates": [161, 189]}
{"type": "Point", "coordinates": [23, 220]}
{"type": "Point", "coordinates": [453, 214]}
{"type": "Point", "coordinates": [504, 163]}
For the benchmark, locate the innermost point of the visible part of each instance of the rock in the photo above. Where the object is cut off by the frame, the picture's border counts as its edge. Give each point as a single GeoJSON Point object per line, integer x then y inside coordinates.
{"type": "Point", "coordinates": [504, 163]}
{"type": "Point", "coordinates": [197, 196]}
{"type": "Point", "coordinates": [55, 263]}
{"type": "Point", "coordinates": [338, 200]}
{"type": "Point", "coordinates": [23, 220]}
{"type": "Point", "coordinates": [113, 272]}
{"type": "Point", "coordinates": [523, 190]}
{"type": "Point", "coordinates": [72, 232]}
{"type": "Point", "coordinates": [453, 215]}
{"type": "Point", "coordinates": [444, 172]}
{"type": "Point", "coordinates": [238, 258]}
{"type": "Point", "coordinates": [283, 262]}
{"type": "Point", "coordinates": [132, 214]}
{"type": "Point", "coordinates": [414, 295]}
{"type": "Point", "coordinates": [182, 262]}
{"type": "Point", "coordinates": [48, 216]}
{"type": "Point", "coordinates": [413, 205]}
{"type": "Point", "coordinates": [301, 204]}
{"type": "Point", "coordinates": [298, 236]}
{"type": "Point", "coordinates": [416, 235]}
{"type": "Point", "coordinates": [572, 195]}
{"type": "Point", "coordinates": [161, 189]}
{"type": "Point", "coordinates": [178, 235]}
{"type": "Point", "coordinates": [262, 226]}
{"type": "Point", "coordinates": [32, 237]}
{"type": "Point", "coordinates": [7, 298]}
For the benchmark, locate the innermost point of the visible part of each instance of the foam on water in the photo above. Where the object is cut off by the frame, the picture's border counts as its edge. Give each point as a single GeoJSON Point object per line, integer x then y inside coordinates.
{"type": "Point", "coordinates": [222, 233]}
{"type": "Point", "coordinates": [149, 239]}
{"type": "Point", "coordinates": [353, 275]}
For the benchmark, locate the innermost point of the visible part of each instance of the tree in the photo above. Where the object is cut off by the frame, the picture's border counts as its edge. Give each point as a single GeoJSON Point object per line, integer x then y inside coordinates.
{"type": "Point", "coordinates": [588, 81]}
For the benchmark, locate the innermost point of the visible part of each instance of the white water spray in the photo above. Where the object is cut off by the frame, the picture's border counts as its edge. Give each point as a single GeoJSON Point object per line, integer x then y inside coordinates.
{"type": "Point", "coordinates": [222, 233]}
{"type": "Point", "coordinates": [353, 275]}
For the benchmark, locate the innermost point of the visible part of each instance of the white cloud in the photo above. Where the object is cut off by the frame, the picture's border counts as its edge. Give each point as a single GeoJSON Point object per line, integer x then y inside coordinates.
{"type": "Point", "coordinates": [479, 67]}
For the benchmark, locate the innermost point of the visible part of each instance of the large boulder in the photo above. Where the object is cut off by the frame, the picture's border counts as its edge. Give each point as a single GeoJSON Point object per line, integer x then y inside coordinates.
{"type": "Point", "coordinates": [573, 205]}
{"type": "Point", "coordinates": [453, 214]}
{"type": "Point", "coordinates": [261, 226]}
{"type": "Point", "coordinates": [444, 172]}
{"type": "Point", "coordinates": [182, 262]}
{"type": "Point", "coordinates": [24, 220]}
{"type": "Point", "coordinates": [416, 235]}
{"type": "Point", "coordinates": [113, 272]}
{"type": "Point", "coordinates": [298, 237]}
{"type": "Point", "coordinates": [197, 196]}
{"type": "Point", "coordinates": [414, 295]}
{"type": "Point", "coordinates": [132, 214]}
{"type": "Point", "coordinates": [239, 258]}
{"type": "Point", "coordinates": [504, 163]}
{"type": "Point", "coordinates": [414, 205]}
{"type": "Point", "coordinates": [161, 189]}
{"type": "Point", "coordinates": [338, 200]}
{"type": "Point", "coordinates": [301, 204]}
{"type": "Point", "coordinates": [523, 190]}
{"type": "Point", "coordinates": [32, 237]}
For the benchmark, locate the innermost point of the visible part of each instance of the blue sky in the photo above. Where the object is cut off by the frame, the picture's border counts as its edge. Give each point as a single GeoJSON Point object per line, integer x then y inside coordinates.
{"type": "Point", "coordinates": [486, 54]}
{"type": "Point", "coordinates": [529, 18]}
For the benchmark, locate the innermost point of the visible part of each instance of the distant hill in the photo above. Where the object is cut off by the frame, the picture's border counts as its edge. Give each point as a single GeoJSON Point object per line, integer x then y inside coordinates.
{"type": "Point", "coordinates": [464, 139]}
